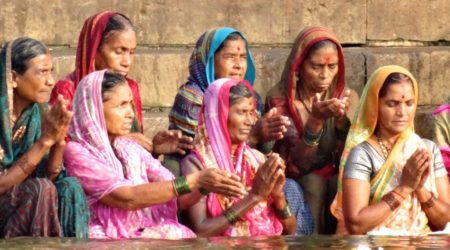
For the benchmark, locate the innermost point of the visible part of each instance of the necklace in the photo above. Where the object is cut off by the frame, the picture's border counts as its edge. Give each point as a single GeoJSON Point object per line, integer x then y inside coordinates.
{"type": "Point", "coordinates": [304, 105]}
{"type": "Point", "coordinates": [384, 149]}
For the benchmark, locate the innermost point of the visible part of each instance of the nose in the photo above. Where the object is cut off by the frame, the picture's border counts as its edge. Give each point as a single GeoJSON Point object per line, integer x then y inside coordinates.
{"type": "Point", "coordinates": [50, 81]}
{"type": "Point", "coordinates": [130, 112]}
{"type": "Point", "coordinates": [401, 110]}
{"type": "Point", "coordinates": [324, 73]}
{"type": "Point", "coordinates": [126, 60]}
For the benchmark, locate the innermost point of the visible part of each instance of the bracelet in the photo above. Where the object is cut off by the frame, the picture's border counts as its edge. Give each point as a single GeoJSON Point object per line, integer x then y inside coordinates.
{"type": "Point", "coordinates": [284, 213]}
{"type": "Point", "coordinates": [181, 186]}
{"type": "Point", "coordinates": [399, 194]}
{"type": "Point", "coordinates": [57, 170]}
{"type": "Point", "coordinates": [230, 215]}
{"type": "Point", "coordinates": [203, 191]}
{"type": "Point", "coordinates": [429, 203]}
{"type": "Point", "coordinates": [311, 139]}
{"type": "Point", "coordinates": [392, 202]}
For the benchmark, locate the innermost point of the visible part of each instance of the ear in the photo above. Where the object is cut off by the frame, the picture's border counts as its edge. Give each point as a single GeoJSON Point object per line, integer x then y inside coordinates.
{"type": "Point", "coordinates": [15, 78]}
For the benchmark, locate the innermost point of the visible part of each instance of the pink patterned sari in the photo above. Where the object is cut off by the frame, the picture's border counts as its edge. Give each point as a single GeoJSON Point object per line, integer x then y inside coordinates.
{"type": "Point", "coordinates": [101, 168]}
{"type": "Point", "coordinates": [213, 149]}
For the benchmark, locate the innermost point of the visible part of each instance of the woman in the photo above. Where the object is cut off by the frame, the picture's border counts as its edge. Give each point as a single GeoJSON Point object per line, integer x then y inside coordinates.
{"type": "Point", "coordinates": [108, 41]}
{"type": "Point", "coordinates": [442, 132]}
{"type": "Point", "coordinates": [225, 122]}
{"type": "Point", "coordinates": [391, 181]}
{"type": "Point", "coordinates": [29, 205]}
{"type": "Point", "coordinates": [130, 193]}
{"type": "Point", "coordinates": [312, 93]}
{"type": "Point", "coordinates": [219, 53]}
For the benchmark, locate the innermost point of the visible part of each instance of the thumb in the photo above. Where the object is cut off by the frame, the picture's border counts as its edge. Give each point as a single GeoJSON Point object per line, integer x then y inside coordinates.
{"type": "Point", "coordinates": [316, 98]}
{"type": "Point", "coordinates": [271, 112]}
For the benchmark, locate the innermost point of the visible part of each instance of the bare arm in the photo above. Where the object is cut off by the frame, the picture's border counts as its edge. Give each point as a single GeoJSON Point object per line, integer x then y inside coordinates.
{"type": "Point", "coordinates": [438, 214]}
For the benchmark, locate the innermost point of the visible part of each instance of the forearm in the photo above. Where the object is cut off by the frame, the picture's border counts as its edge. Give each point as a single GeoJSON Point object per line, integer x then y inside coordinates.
{"type": "Point", "coordinates": [303, 154]}
{"type": "Point", "coordinates": [188, 200]}
{"type": "Point", "coordinates": [55, 161]}
{"type": "Point", "coordinates": [438, 211]}
{"type": "Point", "coordinates": [217, 225]}
{"type": "Point", "coordinates": [25, 165]}
{"type": "Point", "coordinates": [289, 223]}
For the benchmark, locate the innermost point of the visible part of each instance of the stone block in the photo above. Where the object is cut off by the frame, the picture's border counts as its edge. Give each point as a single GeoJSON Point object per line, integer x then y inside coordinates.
{"type": "Point", "coordinates": [174, 22]}
{"type": "Point", "coordinates": [155, 122]}
{"type": "Point", "coordinates": [408, 20]}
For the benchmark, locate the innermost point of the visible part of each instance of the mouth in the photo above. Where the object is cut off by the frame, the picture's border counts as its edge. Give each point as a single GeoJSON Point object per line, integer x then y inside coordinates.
{"type": "Point", "coordinates": [122, 73]}
{"type": "Point", "coordinates": [236, 76]}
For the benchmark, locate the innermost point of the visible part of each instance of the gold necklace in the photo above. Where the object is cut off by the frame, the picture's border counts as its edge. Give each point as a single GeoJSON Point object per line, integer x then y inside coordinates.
{"type": "Point", "coordinates": [385, 150]}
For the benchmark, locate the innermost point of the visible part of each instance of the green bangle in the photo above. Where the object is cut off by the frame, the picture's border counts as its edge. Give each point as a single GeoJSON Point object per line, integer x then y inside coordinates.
{"type": "Point", "coordinates": [311, 139]}
{"type": "Point", "coordinates": [181, 186]}
{"type": "Point", "coordinates": [230, 215]}
{"type": "Point", "coordinates": [203, 191]}
{"type": "Point", "coordinates": [284, 213]}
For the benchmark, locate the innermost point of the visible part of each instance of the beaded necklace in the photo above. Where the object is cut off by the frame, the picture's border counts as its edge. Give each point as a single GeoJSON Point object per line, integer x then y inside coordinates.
{"type": "Point", "coordinates": [385, 150]}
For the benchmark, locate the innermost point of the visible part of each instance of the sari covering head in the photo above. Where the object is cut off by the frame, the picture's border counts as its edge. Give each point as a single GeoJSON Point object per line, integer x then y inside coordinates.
{"type": "Point", "coordinates": [189, 99]}
{"type": "Point", "coordinates": [287, 90]}
{"type": "Point", "coordinates": [101, 168]}
{"type": "Point", "coordinates": [409, 216]}
{"type": "Point", "coordinates": [88, 45]}
{"type": "Point", "coordinates": [212, 147]}
{"type": "Point", "coordinates": [442, 132]}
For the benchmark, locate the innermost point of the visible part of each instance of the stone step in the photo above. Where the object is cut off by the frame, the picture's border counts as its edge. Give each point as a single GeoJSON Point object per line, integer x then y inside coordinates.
{"type": "Point", "coordinates": [161, 71]}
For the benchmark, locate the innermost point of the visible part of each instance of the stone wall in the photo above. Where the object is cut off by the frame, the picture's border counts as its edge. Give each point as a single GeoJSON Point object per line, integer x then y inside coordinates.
{"type": "Point", "coordinates": [411, 33]}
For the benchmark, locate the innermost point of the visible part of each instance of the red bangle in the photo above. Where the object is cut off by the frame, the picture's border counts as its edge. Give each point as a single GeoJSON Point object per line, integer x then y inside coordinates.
{"type": "Point", "coordinates": [392, 202]}
{"type": "Point", "coordinates": [399, 194]}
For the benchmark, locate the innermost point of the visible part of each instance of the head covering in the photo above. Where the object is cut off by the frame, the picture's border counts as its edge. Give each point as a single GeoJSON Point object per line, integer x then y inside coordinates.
{"type": "Point", "coordinates": [14, 141]}
{"type": "Point", "coordinates": [285, 91]}
{"type": "Point", "coordinates": [363, 126]}
{"type": "Point", "coordinates": [88, 44]}
{"type": "Point", "coordinates": [212, 147]}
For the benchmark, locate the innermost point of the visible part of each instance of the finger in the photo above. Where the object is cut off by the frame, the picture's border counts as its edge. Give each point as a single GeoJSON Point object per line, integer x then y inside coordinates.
{"type": "Point", "coordinates": [271, 113]}
{"type": "Point", "coordinates": [180, 151]}
{"type": "Point", "coordinates": [187, 146]}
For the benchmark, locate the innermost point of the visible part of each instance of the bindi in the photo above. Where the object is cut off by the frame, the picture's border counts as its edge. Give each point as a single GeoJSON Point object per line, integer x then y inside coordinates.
{"type": "Point", "coordinates": [239, 48]}
{"type": "Point", "coordinates": [403, 97]}
{"type": "Point", "coordinates": [327, 60]}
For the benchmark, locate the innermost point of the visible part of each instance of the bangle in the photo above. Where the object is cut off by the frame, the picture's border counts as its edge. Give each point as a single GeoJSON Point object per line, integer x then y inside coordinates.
{"type": "Point", "coordinates": [399, 194]}
{"type": "Point", "coordinates": [284, 213]}
{"type": "Point", "coordinates": [392, 202]}
{"type": "Point", "coordinates": [429, 203]}
{"type": "Point", "coordinates": [181, 186]}
{"type": "Point", "coordinates": [203, 191]}
{"type": "Point", "coordinates": [56, 170]}
{"type": "Point", "coordinates": [24, 169]}
{"type": "Point", "coordinates": [230, 215]}
{"type": "Point", "coordinates": [311, 139]}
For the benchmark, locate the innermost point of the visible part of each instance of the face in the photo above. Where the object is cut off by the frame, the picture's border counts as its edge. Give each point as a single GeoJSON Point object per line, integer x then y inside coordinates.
{"type": "Point", "coordinates": [36, 84]}
{"type": "Point", "coordinates": [397, 109]}
{"type": "Point", "coordinates": [117, 53]}
{"type": "Point", "coordinates": [240, 119]}
{"type": "Point", "coordinates": [319, 70]}
{"type": "Point", "coordinates": [118, 110]}
{"type": "Point", "coordinates": [231, 60]}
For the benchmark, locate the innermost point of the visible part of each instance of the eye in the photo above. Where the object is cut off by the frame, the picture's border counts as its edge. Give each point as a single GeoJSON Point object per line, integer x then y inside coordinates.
{"type": "Point", "coordinates": [332, 66]}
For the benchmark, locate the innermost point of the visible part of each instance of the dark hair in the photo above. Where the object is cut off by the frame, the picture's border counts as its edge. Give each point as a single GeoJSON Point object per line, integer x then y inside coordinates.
{"type": "Point", "coordinates": [237, 92]}
{"type": "Point", "coordinates": [393, 78]}
{"type": "Point", "coordinates": [234, 36]}
{"type": "Point", "coordinates": [23, 50]}
{"type": "Point", "coordinates": [118, 22]}
{"type": "Point", "coordinates": [111, 80]}
{"type": "Point", "coordinates": [321, 44]}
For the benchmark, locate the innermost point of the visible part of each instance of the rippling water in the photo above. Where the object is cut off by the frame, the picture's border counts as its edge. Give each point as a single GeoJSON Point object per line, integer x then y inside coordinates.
{"type": "Point", "coordinates": [310, 242]}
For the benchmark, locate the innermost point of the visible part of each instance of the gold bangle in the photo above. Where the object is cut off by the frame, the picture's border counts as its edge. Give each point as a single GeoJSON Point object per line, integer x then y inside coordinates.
{"type": "Point", "coordinates": [24, 169]}
{"type": "Point", "coordinates": [392, 202]}
{"type": "Point", "coordinates": [57, 170]}
{"type": "Point", "coordinates": [284, 213]}
{"type": "Point", "coordinates": [429, 203]}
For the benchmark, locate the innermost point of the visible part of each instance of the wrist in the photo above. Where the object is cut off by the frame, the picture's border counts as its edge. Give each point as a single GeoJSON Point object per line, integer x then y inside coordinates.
{"type": "Point", "coordinates": [46, 141]}
{"type": "Point", "coordinates": [403, 190]}
{"type": "Point", "coordinates": [192, 181]}
{"type": "Point", "coordinates": [254, 198]}
{"type": "Point", "coordinates": [314, 125]}
{"type": "Point", "coordinates": [279, 202]}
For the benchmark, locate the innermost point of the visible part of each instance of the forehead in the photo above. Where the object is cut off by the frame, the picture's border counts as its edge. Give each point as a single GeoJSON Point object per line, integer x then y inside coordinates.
{"type": "Point", "coordinates": [125, 38]}
{"type": "Point", "coordinates": [41, 61]}
{"type": "Point", "coordinates": [118, 93]}
{"type": "Point", "coordinates": [399, 91]}
{"type": "Point", "coordinates": [234, 45]}
{"type": "Point", "coordinates": [244, 103]}
{"type": "Point", "coordinates": [323, 54]}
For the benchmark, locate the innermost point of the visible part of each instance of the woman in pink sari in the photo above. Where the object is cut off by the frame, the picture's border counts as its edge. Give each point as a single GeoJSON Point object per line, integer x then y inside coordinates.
{"type": "Point", "coordinates": [225, 122]}
{"type": "Point", "coordinates": [130, 193]}
{"type": "Point", "coordinates": [442, 132]}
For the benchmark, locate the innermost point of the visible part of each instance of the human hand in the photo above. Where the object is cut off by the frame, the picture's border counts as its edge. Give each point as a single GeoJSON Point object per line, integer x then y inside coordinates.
{"type": "Point", "coordinates": [171, 141]}
{"type": "Point", "coordinates": [415, 168]}
{"type": "Point", "coordinates": [220, 182]}
{"type": "Point", "coordinates": [267, 175]}
{"type": "Point", "coordinates": [341, 116]}
{"type": "Point", "coordinates": [271, 126]}
{"type": "Point", "coordinates": [55, 123]}
{"type": "Point", "coordinates": [277, 191]}
{"type": "Point", "coordinates": [141, 140]}
{"type": "Point", "coordinates": [323, 110]}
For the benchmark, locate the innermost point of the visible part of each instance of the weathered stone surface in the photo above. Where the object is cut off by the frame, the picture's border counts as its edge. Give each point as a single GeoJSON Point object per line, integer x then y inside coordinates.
{"type": "Point", "coordinates": [439, 84]}
{"type": "Point", "coordinates": [177, 22]}
{"type": "Point", "coordinates": [408, 20]}
{"type": "Point", "coordinates": [424, 121]}
{"type": "Point", "coordinates": [154, 122]}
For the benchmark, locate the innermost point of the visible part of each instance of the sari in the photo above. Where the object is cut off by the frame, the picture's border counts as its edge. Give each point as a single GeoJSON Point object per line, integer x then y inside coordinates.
{"type": "Point", "coordinates": [101, 168]}
{"type": "Point", "coordinates": [31, 207]}
{"type": "Point", "coordinates": [88, 45]}
{"type": "Point", "coordinates": [212, 147]}
{"type": "Point", "coordinates": [442, 132]}
{"type": "Point", "coordinates": [409, 216]}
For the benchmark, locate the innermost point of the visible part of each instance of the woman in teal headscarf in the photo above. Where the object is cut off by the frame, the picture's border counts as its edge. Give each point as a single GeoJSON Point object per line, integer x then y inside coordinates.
{"type": "Point", "coordinates": [219, 53]}
{"type": "Point", "coordinates": [28, 203]}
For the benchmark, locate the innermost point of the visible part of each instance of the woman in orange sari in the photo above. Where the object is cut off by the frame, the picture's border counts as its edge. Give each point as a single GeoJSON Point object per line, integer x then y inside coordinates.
{"type": "Point", "coordinates": [391, 181]}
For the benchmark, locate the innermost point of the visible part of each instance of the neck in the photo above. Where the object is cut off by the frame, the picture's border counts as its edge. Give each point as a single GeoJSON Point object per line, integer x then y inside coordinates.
{"type": "Point", "coordinates": [387, 136]}
{"type": "Point", "coordinates": [233, 148]}
{"type": "Point", "coordinates": [307, 95]}
{"type": "Point", "coordinates": [19, 105]}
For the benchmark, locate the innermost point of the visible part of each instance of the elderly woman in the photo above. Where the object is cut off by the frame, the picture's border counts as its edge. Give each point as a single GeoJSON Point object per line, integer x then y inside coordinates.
{"type": "Point", "coordinates": [219, 53]}
{"type": "Point", "coordinates": [225, 122]}
{"type": "Point", "coordinates": [442, 132]}
{"type": "Point", "coordinates": [312, 93]}
{"type": "Point", "coordinates": [28, 204]}
{"type": "Point", "coordinates": [108, 41]}
{"type": "Point", "coordinates": [130, 193]}
{"type": "Point", "coordinates": [391, 180]}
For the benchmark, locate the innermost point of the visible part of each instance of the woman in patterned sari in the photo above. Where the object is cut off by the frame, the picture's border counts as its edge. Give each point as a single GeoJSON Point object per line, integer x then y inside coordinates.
{"type": "Point", "coordinates": [442, 132]}
{"type": "Point", "coordinates": [225, 122]}
{"type": "Point", "coordinates": [391, 181]}
{"type": "Point", "coordinates": [28, 204]}
{"type": "Point", "coordinates": [130, 194]}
